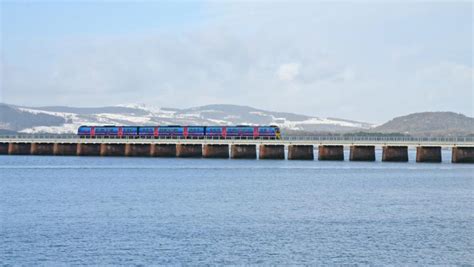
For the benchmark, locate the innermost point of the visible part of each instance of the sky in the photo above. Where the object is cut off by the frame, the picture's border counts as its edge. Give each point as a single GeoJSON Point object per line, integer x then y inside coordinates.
{"type": "Point", "coordinates": [366, 61]}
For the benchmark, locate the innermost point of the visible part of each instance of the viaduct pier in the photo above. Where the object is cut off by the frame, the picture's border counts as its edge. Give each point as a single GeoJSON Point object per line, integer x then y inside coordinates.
{"type": "Point", "coordinates": [394, 149]}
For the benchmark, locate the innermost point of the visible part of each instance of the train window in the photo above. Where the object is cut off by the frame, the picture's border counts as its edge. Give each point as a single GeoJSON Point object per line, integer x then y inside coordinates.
{"type": "Point", "coordinates": [214, 129]}
{"type": "Point", "coordinates": [170, 130]}
{"type": "Point", "coordinates": [195, 129]}
{"type": "Point", "coordinates": [266, 130]}
{"type": "Point", "coordinates": [106, 130]}
{"type": "Point", "coordinates": [146, 129]}
{"type": "Point", "coordinates": [241, 130]}
{"type": "Point", "coordinates": [129, 129]}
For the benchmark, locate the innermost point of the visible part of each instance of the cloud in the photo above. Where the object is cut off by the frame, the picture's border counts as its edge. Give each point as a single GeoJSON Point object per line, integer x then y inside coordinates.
{"type": "Point", "coordinates": [202, 67]}
{"type": "Point", "coordinates": [349, 61]}
{"type": "Point", "coordinates": [287, 72]}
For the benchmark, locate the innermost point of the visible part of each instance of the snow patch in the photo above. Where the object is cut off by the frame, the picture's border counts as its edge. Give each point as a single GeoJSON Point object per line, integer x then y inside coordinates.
{"type": "Point", "coordinates": [121, 117]}
{"type": "Point", "coordinates": [151, 109]}
{"type": "Point", "coordinates": [219, 122]}
{"type": "Point", "coordinates": [65, 115]}
{"type": "Point", "coordinates": [260, 113]}
{"type": "Point", "coordinates": [63, 129]}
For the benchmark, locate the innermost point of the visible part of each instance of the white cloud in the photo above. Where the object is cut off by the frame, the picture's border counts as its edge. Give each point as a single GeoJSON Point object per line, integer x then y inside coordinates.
{"type": "Point", "coordinates": [287, 72]}
{"type": "Point", "coordinates": [342, 60]}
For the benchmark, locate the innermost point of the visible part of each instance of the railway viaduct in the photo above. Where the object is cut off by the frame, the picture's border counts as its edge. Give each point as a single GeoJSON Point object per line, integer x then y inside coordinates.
{"type": "Point", "coordinates": [394, 149]}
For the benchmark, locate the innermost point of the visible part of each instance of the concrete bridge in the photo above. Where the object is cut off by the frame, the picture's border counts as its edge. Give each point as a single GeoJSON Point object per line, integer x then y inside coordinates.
{"type": "Point", "coordinates": [362, 148]}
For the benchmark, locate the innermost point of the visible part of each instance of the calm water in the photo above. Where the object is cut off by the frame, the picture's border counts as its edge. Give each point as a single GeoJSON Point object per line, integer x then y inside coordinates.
{"type": "Point", "coordinates": [72, 210]}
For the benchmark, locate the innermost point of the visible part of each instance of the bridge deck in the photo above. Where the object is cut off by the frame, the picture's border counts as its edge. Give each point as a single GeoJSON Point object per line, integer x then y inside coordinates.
{"type": "Point", "coordinates": [322, 140]}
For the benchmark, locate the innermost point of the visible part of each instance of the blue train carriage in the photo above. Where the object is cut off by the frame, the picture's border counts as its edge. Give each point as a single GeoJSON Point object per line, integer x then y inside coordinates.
{"type": "Point", "coordinates": [85, 131]}
{"type": "Point", "coordinates": [253, 132]}
{"type": "Point", "coordinates": [128, 132]}
{"type": "Point", "coordinates": [269, 132]}
{"type": "Point", "coordinates": [98, 131]}
{"type": "Point", "coordinates": [116, 131]}
{"type": "Point", "coordinates": [148, 132]}
{"type": "Point", "coordinates": [194, 132]}
{"type": "Point", "coordinates": [107, 131]}
{"type": "Point", "coordinates": [215, 132]}
{"type": "Point", "coordinates": [241, 131]}
{"type": "Point", "coordinates": [170, 131]}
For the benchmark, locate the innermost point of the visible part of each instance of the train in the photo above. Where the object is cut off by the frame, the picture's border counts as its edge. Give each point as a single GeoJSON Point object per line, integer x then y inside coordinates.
{"type": "Point", "coordinates": [181, 132]}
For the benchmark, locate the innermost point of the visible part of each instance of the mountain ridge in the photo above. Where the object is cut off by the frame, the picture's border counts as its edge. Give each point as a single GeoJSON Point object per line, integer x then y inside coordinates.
{"type": "Point", "coordinates": [429, 124]}
{"type": "Point", "coordinates": [65, 119]}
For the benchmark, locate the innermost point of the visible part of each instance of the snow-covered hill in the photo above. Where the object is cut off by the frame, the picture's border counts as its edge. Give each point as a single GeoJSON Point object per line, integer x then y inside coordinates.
{"type": "Point", "coordinates": [68, 119]}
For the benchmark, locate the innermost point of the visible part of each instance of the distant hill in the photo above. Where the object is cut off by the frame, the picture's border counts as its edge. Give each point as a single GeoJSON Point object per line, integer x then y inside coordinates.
{"type": "Point", "coordinates": [14, 119]}
{"type": "Point", "coordinates": [429, 124]}
{"type": "Point", "coordinates": [60, 119]}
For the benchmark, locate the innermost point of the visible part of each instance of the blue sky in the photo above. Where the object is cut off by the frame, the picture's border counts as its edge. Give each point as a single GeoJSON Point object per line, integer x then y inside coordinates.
{"type": "Point", "coordinates": [363, 61]}
{"type": "Point", "coordinates": [57, 19]}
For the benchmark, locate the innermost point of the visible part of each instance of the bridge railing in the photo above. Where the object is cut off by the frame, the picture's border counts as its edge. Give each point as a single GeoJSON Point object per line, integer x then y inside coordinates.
{"type": "Point", "coordinates": [380, 138]}
{"type": "Point", "coordinates": [285, 138]}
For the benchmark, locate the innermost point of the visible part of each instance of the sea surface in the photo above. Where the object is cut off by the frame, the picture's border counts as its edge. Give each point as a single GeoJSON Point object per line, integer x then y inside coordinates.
{"type": "Point", "coordinates": [109, 211]}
